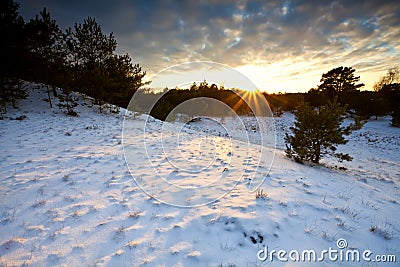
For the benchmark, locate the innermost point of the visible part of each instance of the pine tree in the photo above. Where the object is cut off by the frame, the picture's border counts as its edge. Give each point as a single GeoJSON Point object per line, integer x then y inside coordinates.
{"type": "Point", "coordinates": [47, 51]}
{"type": "Point", "coordinates": [125, 79]}
{"type": "Point", "coordinates": [90, 50]}
{"type": "Point", "coordinates": [391, 92]}
{"type": "Point", "coordinates": [396, 117]}
{"type": "Point", "coordinates": [12, 45]}
{"type": "Point", "coordinates": [339, 81]}
{"type": "Point", "coordinates": [12, 90]}
{"type": "Point", "coordinates": [12, 53]}
{"type": "Point", "coordinates": [66, 101]}
{"type": "Point", "coordinates": [97, 70]}
{"type": "Point", "coordinates": [317, 131]}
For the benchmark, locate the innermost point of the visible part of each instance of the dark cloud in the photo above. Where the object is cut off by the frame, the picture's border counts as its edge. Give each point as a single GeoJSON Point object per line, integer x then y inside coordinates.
{"type": "Point", "coordinates": [324, 33]}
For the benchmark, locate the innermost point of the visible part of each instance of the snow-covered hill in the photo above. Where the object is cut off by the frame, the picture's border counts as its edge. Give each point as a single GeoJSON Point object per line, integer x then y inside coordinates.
{"type": "Point", "coordinates": [68, 199]}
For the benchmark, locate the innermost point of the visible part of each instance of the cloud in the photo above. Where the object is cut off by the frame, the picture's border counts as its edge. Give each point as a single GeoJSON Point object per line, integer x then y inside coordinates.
{"type": "Point", "coordinates": [299, 33]}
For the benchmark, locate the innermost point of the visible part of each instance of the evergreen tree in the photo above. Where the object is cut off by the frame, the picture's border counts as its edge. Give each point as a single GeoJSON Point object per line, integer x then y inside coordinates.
{"type": "Point", "coordinates": [391, 92]}
{"type": "Point", "coordinates": [12, 90]}
{"type": "Point", "coordinates": [12, 53]}
{"type": "Point", "coordinates": [124, 79]}
{"type": "Point", "coordinates": [97, 70]}
{"type": "Point", "coordinates": [12, 45]}
{"type": "Point", "coordinates": [317, 131]}
{"type": "Point", "coordinates": [396, 117]}
{"type": "Point", "coordinates": [204, 85]}
{"type": "Point", "coordinates": [194, 87]}
{"type": "Point", "coordinates": [339, 81]}
{"type": "Point", "coordinates": [373, 104]}
{"type": "Point", "coordinates": [90, 49]}
{"type": "Point", "coordinates": [66, 101]}
{"type": "Point", "coordinates": [47, 52]}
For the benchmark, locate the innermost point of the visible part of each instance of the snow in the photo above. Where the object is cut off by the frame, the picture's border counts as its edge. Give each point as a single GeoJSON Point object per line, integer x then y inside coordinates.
{"type": "Point", "coordinates": [69, 199]}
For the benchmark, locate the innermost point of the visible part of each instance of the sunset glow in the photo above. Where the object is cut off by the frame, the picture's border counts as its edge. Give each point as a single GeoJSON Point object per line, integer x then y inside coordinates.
{"type": "Point", "coordinates": [282, 46]}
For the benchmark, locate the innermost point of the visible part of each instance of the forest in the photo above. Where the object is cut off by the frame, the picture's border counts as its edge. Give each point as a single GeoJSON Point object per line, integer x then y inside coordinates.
{"type": "Point", "coordinates": [340, 83]}
{"type": "Point", "coordinates": [82, 58]}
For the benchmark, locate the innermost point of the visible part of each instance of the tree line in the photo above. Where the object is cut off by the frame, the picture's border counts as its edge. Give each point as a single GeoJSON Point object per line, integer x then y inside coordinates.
{"type": "Point", "coordinates": [319, 113]}
{"type": "Point", "coordinates": [342, 83]}
{"type": "Point", "coordinates": [82, 58]}
{"type": "Point", "coordinates": [171, 98]}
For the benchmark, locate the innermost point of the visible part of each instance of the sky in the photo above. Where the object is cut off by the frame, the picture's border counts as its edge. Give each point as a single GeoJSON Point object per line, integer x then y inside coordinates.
{"type": "Point", "coordinates": [281, 46]}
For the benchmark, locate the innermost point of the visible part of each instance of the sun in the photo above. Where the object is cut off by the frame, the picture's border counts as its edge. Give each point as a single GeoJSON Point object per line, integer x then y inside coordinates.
{"type": "Point", "coordinates": [252, 90]}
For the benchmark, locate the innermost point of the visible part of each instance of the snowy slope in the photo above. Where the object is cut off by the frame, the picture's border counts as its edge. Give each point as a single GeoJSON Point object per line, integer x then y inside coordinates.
{"type": "Point", "coordinates": [68, 199]}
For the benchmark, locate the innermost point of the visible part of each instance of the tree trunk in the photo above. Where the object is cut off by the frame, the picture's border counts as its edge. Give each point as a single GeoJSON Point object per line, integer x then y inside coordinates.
{"type": "Point", "coordinates": [49, 97]}
{"type": "Point", "coordinates": [54, 91]}
{"type": "Point", "coordinates": [67, 101]}
{"type": "Point", "coordinates": [317, 153]}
